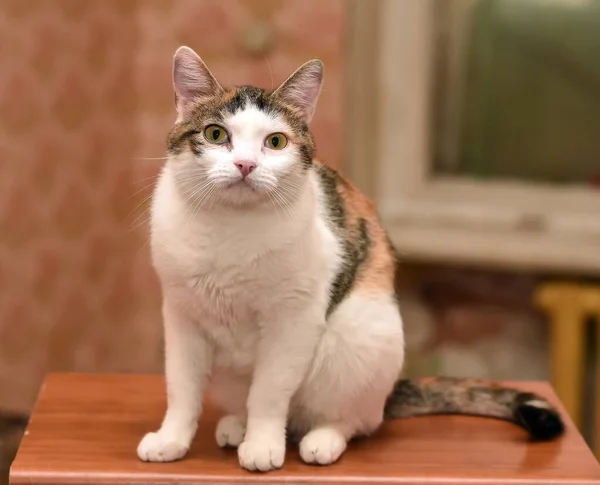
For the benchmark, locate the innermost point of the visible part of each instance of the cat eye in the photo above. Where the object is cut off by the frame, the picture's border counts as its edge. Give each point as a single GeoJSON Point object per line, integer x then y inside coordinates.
{"type": "Point", "coordinates": [276, 141]}
{"type": "Point", "coordinates": [216, 134]}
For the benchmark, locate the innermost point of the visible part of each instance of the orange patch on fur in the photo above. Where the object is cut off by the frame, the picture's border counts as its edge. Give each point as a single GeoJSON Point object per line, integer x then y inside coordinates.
{"type": "Point", "coordinates": [378, 272]}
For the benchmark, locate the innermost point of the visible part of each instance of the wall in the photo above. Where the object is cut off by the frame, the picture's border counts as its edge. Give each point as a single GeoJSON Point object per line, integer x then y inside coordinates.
{"type": "Point", "coordinates": [86, 101]}
{"type": "Point", "coordinates": [67, 135]}
{"type": "Point", "coordinates": [85, 95]}
{"type": "Point", "coordinates": [476, 323]}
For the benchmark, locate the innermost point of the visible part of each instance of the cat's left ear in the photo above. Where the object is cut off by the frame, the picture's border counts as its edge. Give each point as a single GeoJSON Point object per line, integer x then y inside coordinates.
{"type": "Point", "coordinates": [301, 90]}
{"type": "Point", "coordinates": [191, 79]}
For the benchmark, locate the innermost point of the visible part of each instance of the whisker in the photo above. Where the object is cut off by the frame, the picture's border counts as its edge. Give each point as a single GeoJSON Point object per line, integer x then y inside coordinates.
{"type": "Point", "coordinates": [141, 215]}
{"type": "Point", "coordinates": [140, 224]}
{"type": "Point", "coordinates": [213, 192]}
{"type": "Point", "coordinates": [206, 195]}
{"type": "Point", "coordinates": [293, 191]}
{"type": "Point", "coordinates": [142, 202]}
{"type": "Point", "coordinates": [281, 192]}
{"type": "Point", "coordinates": [203, 199]}
{"type": "Point", "coordinates": [292, 183]}
{"type": "Point", "coordinates": [274, 206]}
{"type": "Point", "coordinates": [145, 244]}
{"type": "Point", "coordinates": [202, 181]}
{"type": "Point", "coordinates": [145, 178]}
{"type": "Point", "coordinates": [142, 189]}
{"type": "Point", "coordinates": [191, 193]}
{"type": "Point", "coordinates": [289, 211]}
{"type": "Point", "coordinates": [285, 194]}
{"type": "Point", "coordinates": [201, 193]}
{"type": "Point", "coordinates": [283, 204]}
{"type": "Point", "coordinates": [270, 71]}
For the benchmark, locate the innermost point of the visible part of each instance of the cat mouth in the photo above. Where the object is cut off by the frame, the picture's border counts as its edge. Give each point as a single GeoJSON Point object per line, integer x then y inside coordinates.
{"type": "Point", "coordinates": [242, 183]}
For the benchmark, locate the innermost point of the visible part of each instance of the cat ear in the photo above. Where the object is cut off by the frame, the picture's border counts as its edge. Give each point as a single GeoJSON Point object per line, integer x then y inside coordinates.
{"type": "Point", "coordinates": [302, 88]}
{"type": "Point", "coordinates": [191, 78]}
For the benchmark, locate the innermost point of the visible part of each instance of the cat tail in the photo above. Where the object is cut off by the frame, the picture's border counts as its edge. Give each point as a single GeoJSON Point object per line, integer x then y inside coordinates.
{"type": "Point", "coordinates": [471, 397]}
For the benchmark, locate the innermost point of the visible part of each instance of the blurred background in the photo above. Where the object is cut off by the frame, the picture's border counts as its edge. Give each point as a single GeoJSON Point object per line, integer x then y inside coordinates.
{"type": "Point", "coordinates": [472, 123]}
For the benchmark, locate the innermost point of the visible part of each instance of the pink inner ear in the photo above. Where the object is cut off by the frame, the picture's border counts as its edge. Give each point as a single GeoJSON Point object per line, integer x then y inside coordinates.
{"type": "Point", "coordinates": [303, 87]}
{"type": "Point", "coordinates": [191, 78]}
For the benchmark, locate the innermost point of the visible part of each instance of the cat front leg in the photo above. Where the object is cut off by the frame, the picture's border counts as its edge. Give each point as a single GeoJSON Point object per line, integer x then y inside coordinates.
{"type": "Point", "coordinates": [286, 349]}
{"type": "Point", "coordinates": [187, 365]}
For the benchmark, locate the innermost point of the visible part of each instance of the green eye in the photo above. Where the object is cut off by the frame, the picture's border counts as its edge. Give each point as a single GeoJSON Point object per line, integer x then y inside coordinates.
{"type": "Point", "coordinates": [276, 141]}
{"type": "Point", "coordinates": [216, 134]}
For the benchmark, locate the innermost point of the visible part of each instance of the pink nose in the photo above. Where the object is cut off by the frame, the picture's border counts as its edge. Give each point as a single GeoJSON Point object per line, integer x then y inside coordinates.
{"type": "Point", "coordinates": [245, 166]}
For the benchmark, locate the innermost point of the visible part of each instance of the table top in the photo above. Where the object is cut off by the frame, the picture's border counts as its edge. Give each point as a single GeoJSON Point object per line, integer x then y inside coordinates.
{"type": "Point", "coordinates": [85, 429]}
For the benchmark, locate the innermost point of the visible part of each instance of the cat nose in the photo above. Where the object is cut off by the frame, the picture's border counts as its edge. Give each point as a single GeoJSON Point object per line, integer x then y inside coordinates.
{"type": "Point", "coordinates": [245, 166]}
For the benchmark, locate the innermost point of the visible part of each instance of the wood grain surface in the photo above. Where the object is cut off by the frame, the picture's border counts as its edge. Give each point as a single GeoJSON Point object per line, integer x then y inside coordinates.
{"type": "Point", "coordinates": [86, 427]}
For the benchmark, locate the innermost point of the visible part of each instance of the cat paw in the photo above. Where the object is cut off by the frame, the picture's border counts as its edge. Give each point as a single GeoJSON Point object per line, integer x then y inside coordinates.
{"type": "Point", "coordinates": [322, 446]}
{"type": "Point", "coordinates": [261, 455]}
{"type": "Point", "coordinates": [230, 431]}
{"type": "Point", "coordinates": [159, 447]}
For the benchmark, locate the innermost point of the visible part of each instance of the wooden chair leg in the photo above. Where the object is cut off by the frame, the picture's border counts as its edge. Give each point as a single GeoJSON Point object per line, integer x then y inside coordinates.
{"type": "Point", "coordinates": [597, 393]}
{"type": "Point", "coordinates": [564, 305]}
{"type": "Point", "coordinates": [567, 351]}
{"type": "Point", "coordinates": [592, 304]}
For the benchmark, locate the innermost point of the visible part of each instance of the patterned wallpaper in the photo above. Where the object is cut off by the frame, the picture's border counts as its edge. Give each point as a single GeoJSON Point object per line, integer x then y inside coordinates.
{"type": "Point", "coordinates": [85, 101]}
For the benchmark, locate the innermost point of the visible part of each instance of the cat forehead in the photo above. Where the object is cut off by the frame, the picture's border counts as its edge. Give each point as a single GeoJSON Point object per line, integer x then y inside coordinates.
{"type": "Point", "coordinates": [244, 107]}
{"type": "Point", "coordinates": [251, 120]}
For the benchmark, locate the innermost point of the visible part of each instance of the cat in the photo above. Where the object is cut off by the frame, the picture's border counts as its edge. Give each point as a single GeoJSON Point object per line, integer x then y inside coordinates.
{"type": "Point", "coordinates": [278, 287]}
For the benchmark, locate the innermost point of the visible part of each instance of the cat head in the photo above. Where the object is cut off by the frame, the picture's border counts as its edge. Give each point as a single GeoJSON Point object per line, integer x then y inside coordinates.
{"type": "Point", "coordinates": [241, 146]}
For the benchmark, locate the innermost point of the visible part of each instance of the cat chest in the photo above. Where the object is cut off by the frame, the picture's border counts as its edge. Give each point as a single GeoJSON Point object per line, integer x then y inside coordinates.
{"type": "Point", "coordinates": [234, 342]}
{"type": "Point", "coordinates": [227, 313]}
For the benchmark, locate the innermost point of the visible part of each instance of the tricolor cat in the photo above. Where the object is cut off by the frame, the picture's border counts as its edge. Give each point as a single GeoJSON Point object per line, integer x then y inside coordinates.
{"type": "Point", "coordinates": [279, 286]}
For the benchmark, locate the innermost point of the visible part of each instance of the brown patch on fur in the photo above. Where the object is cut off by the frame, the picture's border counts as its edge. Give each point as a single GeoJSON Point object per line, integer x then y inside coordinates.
{"type": "Point", "coordinates": [369, 262]}
{"type": "Point", "coordinates": [378, 272]}
{"type": "Point", "coordinates": [227, 95]}
{"type": "Point", "coordinates": [440, 395]}
{"type": "Point", "coordinates": [213, 109]}
{"type": "Point", "coordinates": [445, 395]}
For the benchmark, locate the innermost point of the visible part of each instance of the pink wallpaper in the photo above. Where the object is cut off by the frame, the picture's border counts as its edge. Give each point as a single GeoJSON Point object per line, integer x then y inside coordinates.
{"type": "Point", "coordinates": [85, 98]}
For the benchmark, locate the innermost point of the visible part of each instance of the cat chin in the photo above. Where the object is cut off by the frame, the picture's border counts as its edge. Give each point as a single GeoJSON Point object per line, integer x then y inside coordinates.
{"type": "Point", "coordinates": [242, 185]}
{"type": "Point", "coordinates": [242, 194]}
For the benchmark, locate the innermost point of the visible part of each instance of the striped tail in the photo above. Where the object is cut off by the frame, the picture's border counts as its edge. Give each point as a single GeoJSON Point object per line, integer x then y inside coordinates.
{"type": "Point", "coordinates": [471, 397]}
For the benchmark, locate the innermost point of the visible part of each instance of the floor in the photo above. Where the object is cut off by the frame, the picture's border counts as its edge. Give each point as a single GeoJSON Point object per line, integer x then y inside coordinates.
{"type": "Point", "coordinates": [11, 431]}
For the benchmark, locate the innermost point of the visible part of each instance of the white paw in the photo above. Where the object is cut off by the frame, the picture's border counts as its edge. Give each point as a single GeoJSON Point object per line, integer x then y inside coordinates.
{"type": "Point", "coordinates": [261, 455]}
{"type": "Point", "coordinates": [230, 431]}
{"type": "Point", "coordinates": [322, 446]}
{"type": "Point", "coordinates": [160, 447]}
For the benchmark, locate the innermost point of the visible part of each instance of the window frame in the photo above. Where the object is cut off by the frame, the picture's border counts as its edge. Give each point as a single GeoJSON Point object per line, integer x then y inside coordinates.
{"type": "Point", "coordinates": [506, 224]}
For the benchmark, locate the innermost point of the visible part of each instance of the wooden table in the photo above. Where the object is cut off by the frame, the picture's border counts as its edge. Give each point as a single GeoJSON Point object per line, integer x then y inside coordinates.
{"type": "Point", "coordinates": [85, 430]}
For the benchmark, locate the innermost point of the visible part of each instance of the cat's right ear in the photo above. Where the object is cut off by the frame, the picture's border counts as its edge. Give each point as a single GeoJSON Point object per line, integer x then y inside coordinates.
{"type": "Point", "coordinates": [191, 79]}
